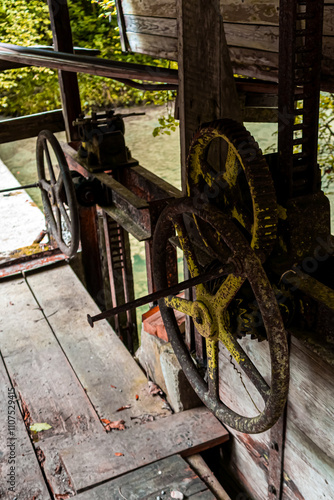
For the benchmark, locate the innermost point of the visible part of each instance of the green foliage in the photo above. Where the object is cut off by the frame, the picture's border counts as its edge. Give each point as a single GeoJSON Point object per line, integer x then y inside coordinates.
{"type": "Point", "coordinates": [167, 124]}
{"type": "Point", "coordinates": [326, 138]}
{"type": "Point", "coordinates": [32, 90]}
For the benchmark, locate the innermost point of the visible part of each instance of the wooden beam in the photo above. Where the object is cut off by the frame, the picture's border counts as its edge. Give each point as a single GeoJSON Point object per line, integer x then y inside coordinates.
{"type": "Point", "coordinates": [206, 84]}
{"type": "Point", "coordinates": [68, 82]}
{"type": "Point", "coordinates": [23, 127]}
{"type": "Point", "coordinates": [86, 64]}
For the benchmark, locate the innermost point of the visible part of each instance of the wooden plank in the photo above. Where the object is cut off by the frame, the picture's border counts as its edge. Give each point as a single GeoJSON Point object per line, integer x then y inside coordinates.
{"type": "Point", "coordinates": [23, 127]}
{"type": "Point", "coordinates": [260, 12]}
{"type": "Point", "coordinates": [33, 357]}
{"type": "Point", "coordinates": [309, 447]}
{"type": "Point", "coordinates": [186, 433]}
{"type": "Point", "coordinates": [160, 8]}
{"type": "Point", "coordinates": [311, 396]}
{"type": "Point", "coordinates": [250, 11]}
{"type": "Point", "coordinates": [263, 38]}
{"type": "Point", "coordinates": [17, 456]}
{"type": "Point", "coordinates": [247, 466]}
{"type": "Point", "coordinates": [43, 378]}
{"type": "Point", "coordinates": [308, 471]}
{"type": "Point", "coordinates": [153, 45]}
{"type": "Point", "coordinates": [169, 474]}
{"type": "Point", "coordinates": [68, 82]}
{"type": "Point", "coordinates": [97, 356]}
{"type": "Point", "coordinates": [151, 25]}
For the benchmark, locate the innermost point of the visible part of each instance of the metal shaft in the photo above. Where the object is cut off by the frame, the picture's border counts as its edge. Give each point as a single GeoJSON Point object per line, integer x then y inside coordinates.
{"type": "Point", "coordinates": [19, 188]}
{"type": "Point", "coordinates": [172, 290]}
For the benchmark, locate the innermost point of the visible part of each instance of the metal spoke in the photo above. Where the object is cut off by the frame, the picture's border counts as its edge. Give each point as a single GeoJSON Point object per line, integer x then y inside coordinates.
{"type": "Point", "coordinates": [231, 173]}
{"type": "Point", "coordinates": [212, 354]}
{"type": "Point", "coordinates": [246, 364]}
{"type": "Point", "coordinates": [45, 185]}
{"type": "Point", "coordinates": [65, 216]}
{"type": "Point", "coordinates": [227, 291]}
{"type": "Point", "coordinates": [188, 251]}
{"type": "Point", "coordinates": [58, 222]}
{"type": "Point", "coordinates": [179, 304]}
{"type": "Point", "coordinates": [49, 162]}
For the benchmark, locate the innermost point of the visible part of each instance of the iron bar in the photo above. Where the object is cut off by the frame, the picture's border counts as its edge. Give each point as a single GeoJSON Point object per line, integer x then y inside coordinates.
{"type": "Point", "coordinates": [172, 290]}
{"type": "Point", "coordinates": [19, 188]}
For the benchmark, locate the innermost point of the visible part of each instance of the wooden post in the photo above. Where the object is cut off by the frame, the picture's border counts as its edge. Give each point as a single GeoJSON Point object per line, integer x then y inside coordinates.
{"type": "Point", "coordinates": [206, 84]}
{"type": "Point", "coordinates": [90, 251]}
{"type": "Point", "coordinates": [68, 82]}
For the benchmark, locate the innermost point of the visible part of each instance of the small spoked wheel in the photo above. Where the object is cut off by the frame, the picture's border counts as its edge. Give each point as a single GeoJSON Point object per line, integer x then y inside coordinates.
{"type": "Point", "coordinates": [58, 194]}
{"type": "Point", "coordinates": [209, 313]}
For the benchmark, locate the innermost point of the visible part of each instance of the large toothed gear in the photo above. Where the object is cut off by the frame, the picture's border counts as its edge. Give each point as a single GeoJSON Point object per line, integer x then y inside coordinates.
{"type": "Point", "coordinates": [241, 186]}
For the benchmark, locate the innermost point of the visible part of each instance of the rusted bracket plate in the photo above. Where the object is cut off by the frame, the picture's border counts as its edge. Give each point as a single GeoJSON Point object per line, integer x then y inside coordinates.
{"type": "Point", "coordinates": [31, 262]}
{"type": "Point", "coordinates": [128, 209]}
{"type": "Point", "coordinates": [276, 456]}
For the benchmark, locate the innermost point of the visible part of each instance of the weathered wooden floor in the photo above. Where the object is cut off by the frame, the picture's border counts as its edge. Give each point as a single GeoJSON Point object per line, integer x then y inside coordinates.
{"type": "Point", "coordinates": [55, 369]}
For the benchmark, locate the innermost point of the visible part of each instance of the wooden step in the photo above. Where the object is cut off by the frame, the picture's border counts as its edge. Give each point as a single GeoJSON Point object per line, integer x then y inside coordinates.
{"type": "Point", "coordinates": [111, 455]}
{"type": "Point", "coordinates": [158, 479]}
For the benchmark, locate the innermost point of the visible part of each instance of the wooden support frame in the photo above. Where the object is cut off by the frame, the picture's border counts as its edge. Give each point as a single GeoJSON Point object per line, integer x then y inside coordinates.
{"type": "Point", "coordinates": [206, 84]}
{"type": "Point", "coordinates": [24, 127]}
{"type": "Point", "coordinates": [68, 82]}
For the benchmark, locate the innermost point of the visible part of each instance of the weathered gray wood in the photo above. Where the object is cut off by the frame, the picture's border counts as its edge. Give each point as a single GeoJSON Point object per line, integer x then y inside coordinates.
{"type": "Point", "coordinates": [86, 64]}
{"type": "Point", "coordinates": [42, 375]}
{"type": "Point", "coordinates": [308, 471]}
{"type": "Point", "coordinates": [151, 25]}
{"type": "Point", "coordinates": [16, 450]}
{"type": "Point", "coordinates": [186, 433]}
{"type": "Point", "coordinates": [260, 12]}
{"type": "Point", "coordinates": [246, 464]}
{"type": "Point", "coordinates": [311, 402]}
{"type": "Point", "coordinates": [23, 127]}
{"type": "Point", "coordinates": [309, 450]}
{"type": "Point", "coordinates": [160, 8]}
{"type": "Point", "coordinates": [263, 38]}
{"type": "Point", "coordinates": [33, 358]}
{"type": "Point", "coordinates": [172, 473]}
{"type": "Point", "coordinates": [152, 45]}
{"type": "Point", "coordinates": [98, 357]}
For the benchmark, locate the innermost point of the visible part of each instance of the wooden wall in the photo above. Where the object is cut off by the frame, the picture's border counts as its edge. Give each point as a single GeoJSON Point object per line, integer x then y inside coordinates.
{"type": "Point", "coordinates": [251, 28]}
{"type": "Point", "coordinates": [309, 446]}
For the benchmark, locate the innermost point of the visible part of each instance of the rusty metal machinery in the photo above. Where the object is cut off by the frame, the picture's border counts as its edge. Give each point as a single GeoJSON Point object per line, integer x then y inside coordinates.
{"type": "Point", "coordinates": [58, 194]}
{"type": "Point", "coordinates": [210, 314]}
{"type": "Point", "coordinates": [102, 141]}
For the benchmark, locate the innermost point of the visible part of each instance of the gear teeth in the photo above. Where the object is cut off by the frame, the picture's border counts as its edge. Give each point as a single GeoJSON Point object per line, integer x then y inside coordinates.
{"type": "Point", "coordinates": [257, 175]}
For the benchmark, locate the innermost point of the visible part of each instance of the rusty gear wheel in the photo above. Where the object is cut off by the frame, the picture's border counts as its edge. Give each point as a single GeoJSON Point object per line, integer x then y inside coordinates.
{"type": "Point", "coordinates": [209, 313]}
{"type": "Point", "coordinates": [241, 186]}
{"type": "Point", "coordinates": [58, 194]}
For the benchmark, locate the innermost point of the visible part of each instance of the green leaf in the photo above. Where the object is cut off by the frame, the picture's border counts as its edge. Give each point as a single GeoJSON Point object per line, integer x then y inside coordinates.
{"type": "Point", "coordinates": [40, 427]}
